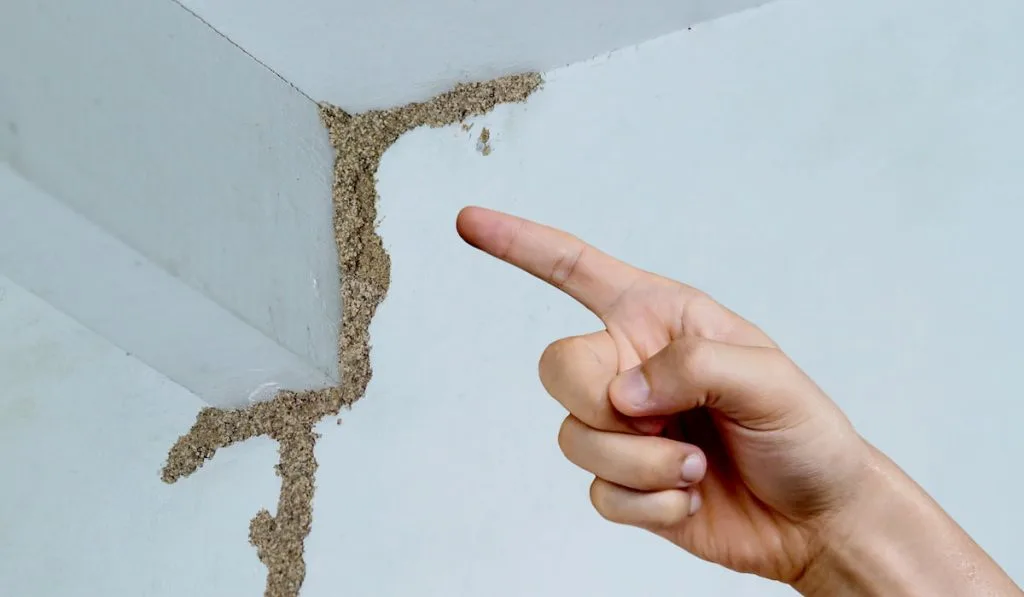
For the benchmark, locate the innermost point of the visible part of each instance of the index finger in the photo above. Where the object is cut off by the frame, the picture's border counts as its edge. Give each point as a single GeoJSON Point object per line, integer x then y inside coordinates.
{"type": "Point", "coordinates": [593, 278]}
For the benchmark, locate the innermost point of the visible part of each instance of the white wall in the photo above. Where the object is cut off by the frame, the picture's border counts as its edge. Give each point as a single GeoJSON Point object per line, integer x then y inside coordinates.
{"type": "Point", "coordinates": [148, 124]}
{"type": "Point", "coordinates": [846, 174]}
{"type": "Point", "coordinates": [84, 430]}
{"type": "Point", "coordinates": [363, 54]}
{"type": "Point", "coordinates": [118, 292]}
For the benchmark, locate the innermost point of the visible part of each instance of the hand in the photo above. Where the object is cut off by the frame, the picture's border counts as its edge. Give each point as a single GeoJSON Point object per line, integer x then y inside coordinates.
{"type": "Point", "coordinates": [696, 426]}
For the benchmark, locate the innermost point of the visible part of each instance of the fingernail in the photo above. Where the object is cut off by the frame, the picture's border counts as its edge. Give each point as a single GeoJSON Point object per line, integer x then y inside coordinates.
{"type": "Point", "coordinates": [693, 468]}
{"type": "Point", "coordinates": [633, 388]}
{"type": "Point", "coordinates": [695, 502]}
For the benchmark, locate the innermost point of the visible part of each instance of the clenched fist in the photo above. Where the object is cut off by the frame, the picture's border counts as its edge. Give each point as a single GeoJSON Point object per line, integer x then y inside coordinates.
{"type": "Point", "coordinates": [697, 427]}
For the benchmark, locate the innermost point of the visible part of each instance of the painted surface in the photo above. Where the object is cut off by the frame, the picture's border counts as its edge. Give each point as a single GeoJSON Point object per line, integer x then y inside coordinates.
{"type": "Point", "coordinates": [140, 118]}
{"type": "Point", "coordinates": [845, 174]}
{"type": "Point", "coordinates": [365, 54]}
{"type": "Point", "coordinates": [83, 432]}
{"type": "Point", "coordinates": [114, 290]}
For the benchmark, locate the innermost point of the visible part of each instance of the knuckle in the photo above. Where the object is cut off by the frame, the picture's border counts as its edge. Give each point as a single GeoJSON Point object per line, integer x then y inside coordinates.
{"type": "Point", "coordinates": [565, 376]}
{"type": "Point", "coordinates": [565, 266]}
{"type": "Point", "coordinates": [703, 316]}
{"type": "Point", "coordinates": [560, 354]}
{"type": "Point", "coordinates": [781, 365]}
{"type": "Point", "coordinates": [547, 360]}
{"type": "Point", "coordinates": [565, 433]}
{"type": "Point", "coordinates": [599, 499]}
{"type": "Point", "coordinates": [552, 362]}
{"type": "Point", "coordinates": [693, 357]}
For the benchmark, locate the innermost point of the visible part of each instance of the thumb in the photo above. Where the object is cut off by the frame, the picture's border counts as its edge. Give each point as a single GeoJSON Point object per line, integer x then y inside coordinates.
{"type": "Point", "coordinates": [754, 385]}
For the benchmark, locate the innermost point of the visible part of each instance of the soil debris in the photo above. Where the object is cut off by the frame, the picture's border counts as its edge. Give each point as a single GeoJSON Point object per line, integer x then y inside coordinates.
{"type": "Point", "coordinates": [483, 143]}
{"type": "Point", "coordinates": [360, 141]}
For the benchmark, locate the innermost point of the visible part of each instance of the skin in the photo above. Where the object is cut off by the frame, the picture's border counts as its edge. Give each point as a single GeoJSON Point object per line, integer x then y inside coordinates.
{"type": "Point", "coordinates": [698, 428]}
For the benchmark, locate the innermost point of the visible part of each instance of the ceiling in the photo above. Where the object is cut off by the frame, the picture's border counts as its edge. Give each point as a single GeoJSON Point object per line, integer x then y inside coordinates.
{"type": "Point", "coordinates": [362, 54]}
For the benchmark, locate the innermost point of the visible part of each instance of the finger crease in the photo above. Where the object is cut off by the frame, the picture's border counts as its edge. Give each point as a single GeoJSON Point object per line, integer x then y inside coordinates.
{"type": "Point", "coordinates": [565, 267]}
{"type": "Point", "coordinates": [503, 255]}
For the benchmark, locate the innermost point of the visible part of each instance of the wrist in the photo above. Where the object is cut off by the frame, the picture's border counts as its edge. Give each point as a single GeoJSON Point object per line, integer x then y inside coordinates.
{"type": "Point", "coordinates": [893, 540]}
{"type": "Point", "coordinates": [863, 547]}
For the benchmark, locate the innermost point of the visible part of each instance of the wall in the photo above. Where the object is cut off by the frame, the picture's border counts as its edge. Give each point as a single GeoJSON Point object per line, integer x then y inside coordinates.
{"type": "Point", "coordinates": [148, 313]}
{"type": "Point", "coordinates": [214, 172]}
{"type": "Point", "coordinates": [84, 429]}
{"type": "Point", "coordinates": [364, 54]}
{"type": "Point", "coordinates": [845, 174]}
{"type": "Point", "coordinates": [208, 169]}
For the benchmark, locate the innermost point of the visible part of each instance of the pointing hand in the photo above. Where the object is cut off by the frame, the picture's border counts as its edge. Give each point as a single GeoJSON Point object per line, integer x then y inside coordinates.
{"type": "Point", "coordinates": [695, 424]}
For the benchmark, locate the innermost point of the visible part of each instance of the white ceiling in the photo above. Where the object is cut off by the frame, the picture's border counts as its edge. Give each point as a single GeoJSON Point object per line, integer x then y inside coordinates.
{"type": "Point", "coordinates": [363, 54]}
